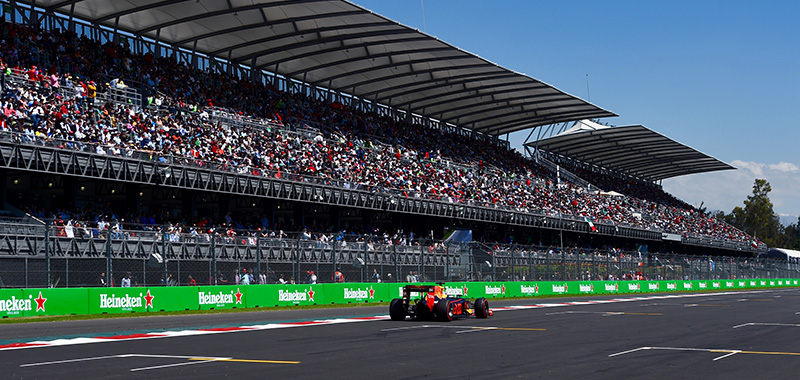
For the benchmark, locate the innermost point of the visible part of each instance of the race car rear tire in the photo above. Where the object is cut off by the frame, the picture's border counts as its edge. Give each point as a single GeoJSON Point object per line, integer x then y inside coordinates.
{"type": "Point", "coordinates": [481, 308]}
{"type": "Point", "coordinates": [396, 310]}
{"type": "Point", "coordinates": [444, 311]}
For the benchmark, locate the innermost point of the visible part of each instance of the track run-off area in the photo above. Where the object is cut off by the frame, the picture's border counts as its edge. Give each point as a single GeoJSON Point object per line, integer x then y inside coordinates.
{"type": "Point", "coordinates": [723, 335]}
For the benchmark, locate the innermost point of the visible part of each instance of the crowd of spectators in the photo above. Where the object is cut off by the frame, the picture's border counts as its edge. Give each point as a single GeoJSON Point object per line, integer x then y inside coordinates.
{"type": "Point", "coordinates": [62, 73]}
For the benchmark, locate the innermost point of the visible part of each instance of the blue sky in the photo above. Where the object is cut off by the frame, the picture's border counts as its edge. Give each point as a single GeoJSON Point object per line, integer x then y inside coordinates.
{"type": "Point", "coordinates": [720, 76]}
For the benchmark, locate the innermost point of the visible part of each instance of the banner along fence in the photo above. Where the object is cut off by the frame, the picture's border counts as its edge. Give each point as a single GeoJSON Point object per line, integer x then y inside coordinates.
{"type": "Point", "coordinates": [80, 301]}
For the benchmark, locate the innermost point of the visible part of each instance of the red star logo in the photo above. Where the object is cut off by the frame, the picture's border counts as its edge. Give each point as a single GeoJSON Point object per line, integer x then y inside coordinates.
{"type": "Point", "coordinates": [536, 289]}
{"type": "Point", "coordinates": [371, 292]}
{"type": "Point", "coordinates": [465, 290]}
{"type": "Point", "coordinates": [503, 288]}
{"type": "Point", "coordinates": [311, 294]}
{"type": "Point", "coordinates": [40, 302]}
{"type": "Point", "coordinates": [238, 295]}
{"type": "Point", "coordinates": [149, 299]}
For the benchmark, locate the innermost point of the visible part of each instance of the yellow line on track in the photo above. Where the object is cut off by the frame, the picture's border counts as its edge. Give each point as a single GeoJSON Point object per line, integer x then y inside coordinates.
{"type": "Point", "coordinates": [246, 360]}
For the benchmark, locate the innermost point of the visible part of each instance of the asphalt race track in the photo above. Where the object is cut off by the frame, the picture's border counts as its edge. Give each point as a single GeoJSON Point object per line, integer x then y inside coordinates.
{"type": "Point", "coordinates": [731, 335]}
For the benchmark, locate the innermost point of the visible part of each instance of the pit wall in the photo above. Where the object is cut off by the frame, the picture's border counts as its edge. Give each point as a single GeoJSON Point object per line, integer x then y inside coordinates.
{"type": "Point", "coordinates": [82, 301]}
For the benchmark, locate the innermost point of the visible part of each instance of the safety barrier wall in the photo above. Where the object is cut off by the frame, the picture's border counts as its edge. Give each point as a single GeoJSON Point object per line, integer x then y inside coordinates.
{"type": "Point", "coordinates": [82, 301]}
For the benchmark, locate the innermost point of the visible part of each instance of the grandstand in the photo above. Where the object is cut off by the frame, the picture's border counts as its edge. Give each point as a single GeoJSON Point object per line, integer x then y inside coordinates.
{"type": "Point", "coordinates": [318, 120]}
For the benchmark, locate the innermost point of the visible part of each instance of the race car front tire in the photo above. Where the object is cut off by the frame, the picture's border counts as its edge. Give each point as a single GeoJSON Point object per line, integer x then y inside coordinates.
{"type": "Point", "coordinates": [444, 311]}
{"type": "Point", "coordinates": [396, 310]}
{"type": "Point", "coordinates": [481, 308]}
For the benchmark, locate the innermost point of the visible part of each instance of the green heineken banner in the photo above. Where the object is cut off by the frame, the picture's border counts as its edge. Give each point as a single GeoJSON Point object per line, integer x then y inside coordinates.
{"type": "Point", "coordinates": [62, 301]}
{"type": "Point", "coordinates": [221, 297]}
{"type": "Point", "coordinates": [14, 303]}
{"type": "Point", "coordinates": [670, 286]}
{"type": "Point", "coordinates": [395, 290]}
{"type": "Point", "coordinates": [356, 293]}
{"type": "Point", "coordinates": [66, 301]}
{"type": "Point", "coordinates": [286, 295]}
{"type": "Point", "coordinates": [130, 300]}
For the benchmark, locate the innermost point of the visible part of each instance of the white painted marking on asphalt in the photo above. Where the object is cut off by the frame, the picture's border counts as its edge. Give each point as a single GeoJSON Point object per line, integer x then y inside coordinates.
{"type": "Point", "coordinates": [176, 356]}
{"type": "Point", "coordinates": [629, 351]}
{"type": "Point", "coordinates": [405, 328]}
{"type": "Point", "coordinates": [742, 325]}
{"type": "Point", "coordinates": [172, 365]}
{"type": "Point", "coordinates": [726, 355]}
{"type": "Point", "coordinates": [768, 324]}
{"type": "Point", "coordinates": [74, 360]}
{"type": "Point", "coordinates": [686, 349]}
{"type": "Point", "coordinates": [476, 330]}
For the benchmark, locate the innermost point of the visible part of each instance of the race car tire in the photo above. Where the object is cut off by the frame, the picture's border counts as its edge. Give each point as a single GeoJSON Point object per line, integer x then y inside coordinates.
{"type": "Point", "coordinates": [481, 308]}
{"type": "Point", "coordinates": [396, 310]}
{"type": "Point", "coordinates": [444, 311]}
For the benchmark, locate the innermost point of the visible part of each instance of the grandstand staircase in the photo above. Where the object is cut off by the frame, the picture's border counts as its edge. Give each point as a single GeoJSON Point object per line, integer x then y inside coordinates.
{"type": "Point", "coordinates": [566, 174]}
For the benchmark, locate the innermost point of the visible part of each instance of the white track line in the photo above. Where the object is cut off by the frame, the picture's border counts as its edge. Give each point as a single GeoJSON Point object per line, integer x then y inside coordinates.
{"type": "Point", "coordinates": [766, 324]}
{"type": "Point", "coordinates": [471, 330]}
{"type": "Point", "coordinates": [726, 355]}
{"type": "Point", "coordinates": [405, 328]}
{"type": "Point", "coordinates": [629, 351]}
{"type": "Point", "coordinates": [74, 360]}
{"type": "Point", "coordinates": [172, 365]}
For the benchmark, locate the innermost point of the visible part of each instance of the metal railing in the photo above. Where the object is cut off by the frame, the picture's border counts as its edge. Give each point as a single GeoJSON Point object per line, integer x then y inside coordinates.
{"type": "Point", "coordinates": [77, 256]}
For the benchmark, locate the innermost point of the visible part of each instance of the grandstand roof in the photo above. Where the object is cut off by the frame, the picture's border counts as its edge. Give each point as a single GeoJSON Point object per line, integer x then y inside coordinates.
{"type": "Point", "coordinates": [341, 46]}
{"type": "Point", "coordinates": [633, 149]}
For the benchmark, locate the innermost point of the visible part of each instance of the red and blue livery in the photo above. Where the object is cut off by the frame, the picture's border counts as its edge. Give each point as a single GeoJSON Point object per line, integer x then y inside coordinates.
{"type": "Point", "coordinates": [430, 302]}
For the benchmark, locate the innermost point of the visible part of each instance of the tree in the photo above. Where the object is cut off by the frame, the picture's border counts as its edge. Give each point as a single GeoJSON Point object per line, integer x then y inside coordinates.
{"type": "Point", "coordinates": [757, 218]}
{"type": "Point", "coordinates": [789, 236]}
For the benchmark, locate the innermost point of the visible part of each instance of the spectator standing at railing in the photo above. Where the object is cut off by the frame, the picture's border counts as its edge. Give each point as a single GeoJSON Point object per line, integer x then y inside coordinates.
{"type": "Point", "coordinates": [337, 276]}
{"type": "Point", "coordinates": [91, 93]}
{"type": "Point", "coordinates": [102, 281]}
{"type": "Point", "coordinates": [376, 277]}
{"type": "Point", "coordinates": [126, 281]}
{"type": "Point", "coordinates": [80, 96]}
{"type": "Point", "coordinates": [244, 278]}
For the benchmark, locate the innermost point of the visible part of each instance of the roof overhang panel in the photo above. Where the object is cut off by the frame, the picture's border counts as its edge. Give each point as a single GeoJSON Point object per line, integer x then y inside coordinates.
{"type": "Point", "coordinates": [635, 149]}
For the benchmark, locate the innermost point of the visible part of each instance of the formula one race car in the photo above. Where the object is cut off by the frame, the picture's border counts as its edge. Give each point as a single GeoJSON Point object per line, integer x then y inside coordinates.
{"type": "Point", "coordinates": [430, 302]}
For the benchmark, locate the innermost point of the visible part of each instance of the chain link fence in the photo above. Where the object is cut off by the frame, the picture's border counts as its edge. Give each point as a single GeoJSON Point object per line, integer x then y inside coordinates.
{"type": "Point", "coordinates": [33, 255]}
